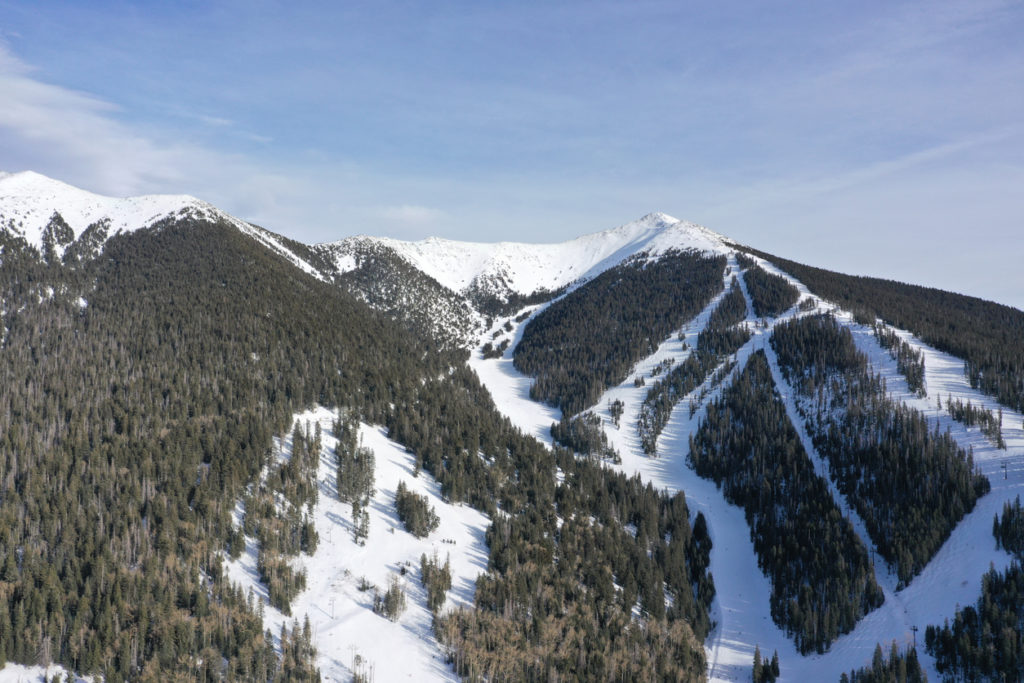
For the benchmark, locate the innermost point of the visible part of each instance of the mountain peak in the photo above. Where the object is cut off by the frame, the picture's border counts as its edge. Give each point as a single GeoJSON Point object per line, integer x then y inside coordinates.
{"type": "Point", "coordinates": [28, 201]}
{"type": "Point", "coordinates": [28, 183]}
{"type": "Point", "coordinates": [659, 219]}
{"type": "Point", "coordinates": [525, 268]}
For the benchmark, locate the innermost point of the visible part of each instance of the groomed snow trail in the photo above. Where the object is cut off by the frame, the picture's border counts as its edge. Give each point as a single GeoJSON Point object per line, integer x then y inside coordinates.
{"type": "Point", "coordinates": [741, 609]}
{"type": "Point", "coordinates": [953, 578]}
{"type": "Point", "coordinates": [344, 624]}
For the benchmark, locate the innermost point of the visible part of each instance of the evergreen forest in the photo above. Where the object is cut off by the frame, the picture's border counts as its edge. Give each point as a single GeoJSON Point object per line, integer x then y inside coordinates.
{"type": "Point", "coordinates": [822, 581]}
{"type": "Point", "coordinates": [131, 426]}
{"type": "Point", "coordinates": [910, 483]}
{"type": "Point", "coordinates": [985, 334]}
{"type": "Point", "coordinates": [147, 437]}
{"type": "Point", "coordinates": [558, 600]}
{"type": "Point", "coordinates": [770, 294]}
{"type": "Point", "coordinates": [722, 337]}
{"type": "Point", "coordinates": [589, 339]}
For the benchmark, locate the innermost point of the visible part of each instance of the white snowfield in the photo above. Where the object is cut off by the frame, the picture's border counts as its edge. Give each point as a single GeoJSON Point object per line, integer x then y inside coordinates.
{"type": "Point", "coordinates": [741, 609]}
{"type": "Point", "coordinates": [345, 628]}
{"type": "Point", "coordinates": [527, 268]}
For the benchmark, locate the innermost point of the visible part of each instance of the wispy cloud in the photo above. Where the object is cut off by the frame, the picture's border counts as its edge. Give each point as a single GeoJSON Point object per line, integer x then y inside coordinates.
{"type": "Point", "coordinates": [215, 121]}
{"type": "Point", "coordinates": [803, 186]}
{"type": "Point", "coordinates": [77, 136]}
{"type": "Point", "coordinates": [80, 139]}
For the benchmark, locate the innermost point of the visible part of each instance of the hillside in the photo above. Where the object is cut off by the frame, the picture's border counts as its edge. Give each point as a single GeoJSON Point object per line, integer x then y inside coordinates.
{"type": "Point", "coordinates": [146, 383]}
{"type": "Point", "coordinates": [204, 426]}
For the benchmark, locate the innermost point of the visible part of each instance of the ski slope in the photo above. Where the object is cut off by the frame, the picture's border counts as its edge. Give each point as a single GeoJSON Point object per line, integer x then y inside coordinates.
{"type": "Point", "coordinates": [341, 616]}
{"type": "Point", "coordinates": [741, 608]}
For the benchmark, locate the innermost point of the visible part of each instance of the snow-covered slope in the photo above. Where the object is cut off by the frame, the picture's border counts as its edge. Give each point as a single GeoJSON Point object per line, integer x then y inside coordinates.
{"type": "Point", "coordinates": [741, 608]}
{"type": "Point", "coordinates": [438, 280]}
{"type": "Point", "coordinates": [337, 601]}
{"type": "Point", "coordinates": [526, 268]}
{"type": "Point", "coordinates": [442, 288]}
{"type": "Point", "coordinates": [452, 290]}
{"type": "Point", "coordinates": [29, 203]}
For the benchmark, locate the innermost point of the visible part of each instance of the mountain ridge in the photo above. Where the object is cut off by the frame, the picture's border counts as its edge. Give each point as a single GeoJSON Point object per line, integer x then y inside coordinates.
{"type": "Point", "coordinates": [247, 329]}
{"type": "Point", "coordinates": [28, 201]}
{"type": "Point", "coordinates": [446, 289]}
{"type": "Point", "coordinates": [459, 264]}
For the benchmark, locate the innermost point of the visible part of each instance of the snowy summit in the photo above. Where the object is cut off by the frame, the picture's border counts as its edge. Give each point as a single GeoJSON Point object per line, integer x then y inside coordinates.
{"type": "Point", "coordinates": [29, 200]}
{"type": "Point", "coordinates": [526, 268]}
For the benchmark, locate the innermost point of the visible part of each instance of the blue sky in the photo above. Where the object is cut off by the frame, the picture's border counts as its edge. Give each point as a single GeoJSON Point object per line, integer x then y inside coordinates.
{"type": "Point", "coordinates": [878, 138]}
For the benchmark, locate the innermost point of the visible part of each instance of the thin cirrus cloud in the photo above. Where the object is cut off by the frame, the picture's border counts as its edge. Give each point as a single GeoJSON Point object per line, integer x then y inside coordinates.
{"type": "Point", "coordinates": [80, 139]}
{"type": "Point", "coordinates": [77, 138]}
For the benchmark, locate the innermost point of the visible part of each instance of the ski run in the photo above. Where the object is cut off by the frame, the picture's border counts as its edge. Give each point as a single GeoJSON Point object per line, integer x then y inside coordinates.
{"type": "Point", "coordinates": [741, 608]}
{"type": "Point", "coordinates": [350, 637]}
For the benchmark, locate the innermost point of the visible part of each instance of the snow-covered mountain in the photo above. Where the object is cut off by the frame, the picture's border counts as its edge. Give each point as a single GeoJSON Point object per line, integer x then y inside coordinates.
{"type": "Point", "coordinates": [28, 202]}
{"type": "Point", "coordinates": [53, 217]}
{"type": "Point", "coordinates": [520, 268]}
{"type": "Point", "coordinates": [443, 288]}
{"type": "Point", "coordinates": [483, 297]}
{"type": "Point", "coordinates": [461, 286]}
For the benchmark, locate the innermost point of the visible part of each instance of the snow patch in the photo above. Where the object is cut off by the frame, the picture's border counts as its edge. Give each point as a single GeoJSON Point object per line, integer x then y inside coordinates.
{"type": "Point", "coordinates": [345, 263]}
{"type": "Point", "coordinates": [341, 615]}
{"type": "Point", "coordinates": [19, 673]}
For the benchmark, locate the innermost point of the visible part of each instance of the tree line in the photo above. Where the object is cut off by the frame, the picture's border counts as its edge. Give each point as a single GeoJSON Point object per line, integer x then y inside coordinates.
{"type": "Point", "coordinates": [909, 361]}
{"type": "Point", "coordinates": [991, 424]}
{"type": "Point", "coordinates": [276, 514]}
{"type": "Point", "coordinates": [721, 337]}
{"type": "Point", "coordinates": [770, 294]}
{"type": "Point", "coordinates": [901, 666]}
